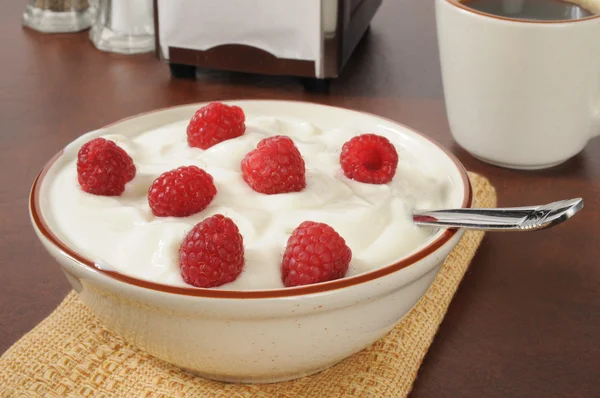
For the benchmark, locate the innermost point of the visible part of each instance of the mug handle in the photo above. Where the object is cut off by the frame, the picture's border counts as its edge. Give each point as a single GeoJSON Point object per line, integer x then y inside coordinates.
{"type": "Point", "coordinates": [596, 131]}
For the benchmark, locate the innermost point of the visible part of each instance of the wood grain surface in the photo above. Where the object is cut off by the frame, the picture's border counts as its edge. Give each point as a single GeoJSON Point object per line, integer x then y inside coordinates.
{"type": "Point", "coordinates": [526, 319]}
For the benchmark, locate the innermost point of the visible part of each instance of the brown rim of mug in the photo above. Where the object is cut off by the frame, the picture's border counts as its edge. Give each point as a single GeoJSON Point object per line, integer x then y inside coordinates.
{"type": "Point", "coordinates": [463, 6]}
{"type": "Point", "coordinates": [45, 230]}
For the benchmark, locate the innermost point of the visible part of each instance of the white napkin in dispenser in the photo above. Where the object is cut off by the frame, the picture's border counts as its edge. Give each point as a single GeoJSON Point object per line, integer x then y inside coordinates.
{"type": "Point", "coordinates": [273, 36]}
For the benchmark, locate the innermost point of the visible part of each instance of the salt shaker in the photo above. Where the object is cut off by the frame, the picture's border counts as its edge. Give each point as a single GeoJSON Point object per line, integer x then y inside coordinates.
{"type": "Point", "coordinates": [124, 26]}
{"type": "Point", "coordinates": [54, 16]}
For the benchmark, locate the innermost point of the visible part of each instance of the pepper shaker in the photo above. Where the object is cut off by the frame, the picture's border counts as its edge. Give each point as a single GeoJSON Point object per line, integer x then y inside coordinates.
{"type": "Point", "coordinates": [55, 16]}
{"type": "Point", "coordinates": [124, 26]}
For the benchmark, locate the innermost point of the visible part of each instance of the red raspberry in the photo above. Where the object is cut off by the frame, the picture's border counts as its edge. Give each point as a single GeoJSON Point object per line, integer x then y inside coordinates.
{"type": "Point", "coordinates": [275, 166]}
{"type": "Point", "coordinates": [103, 168]}
{"type": "Point", "coordinates": [181, 192]}
{"type": "Point", "coordinates": [212, 253]}
{"type": "Point", "coordinates": [369, 158]}
{"type": "Point", "coordinates": [214, 123]}
{"type": "Point", "coordinates": [314, 253]}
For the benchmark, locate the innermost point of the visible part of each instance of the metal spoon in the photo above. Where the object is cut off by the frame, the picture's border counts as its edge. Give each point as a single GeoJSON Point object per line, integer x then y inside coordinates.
{"type": "Point", "coordinates": [530, 218]}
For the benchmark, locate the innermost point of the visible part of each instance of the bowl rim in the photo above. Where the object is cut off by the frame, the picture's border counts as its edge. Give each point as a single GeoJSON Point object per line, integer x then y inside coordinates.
{"type": "Point", "coordinates": [44, 229]}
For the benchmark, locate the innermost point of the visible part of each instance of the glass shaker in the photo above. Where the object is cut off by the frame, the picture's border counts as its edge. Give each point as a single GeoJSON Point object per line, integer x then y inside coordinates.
{"type": "Point", "coordinates": [124, 26]}
{"type": "Point", "coordinates": [54, 16]}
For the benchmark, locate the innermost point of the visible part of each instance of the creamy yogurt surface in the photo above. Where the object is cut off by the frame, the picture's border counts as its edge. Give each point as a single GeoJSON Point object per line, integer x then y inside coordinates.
{"type": "Point", "coordinates": [121, 232]}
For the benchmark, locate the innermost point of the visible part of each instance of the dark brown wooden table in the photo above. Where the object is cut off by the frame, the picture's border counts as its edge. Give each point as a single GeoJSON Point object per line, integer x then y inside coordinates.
{"type": "Point", "coordinates": [525, 321]}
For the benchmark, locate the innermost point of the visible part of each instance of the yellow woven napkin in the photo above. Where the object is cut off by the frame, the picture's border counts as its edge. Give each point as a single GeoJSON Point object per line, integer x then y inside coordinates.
{"type": "Point", "coordinates": [71, 354]}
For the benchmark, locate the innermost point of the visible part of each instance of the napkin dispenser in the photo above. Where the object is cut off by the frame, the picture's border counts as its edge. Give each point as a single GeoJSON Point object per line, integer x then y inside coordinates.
{"type": "Point", "coordinates": [305, 38]}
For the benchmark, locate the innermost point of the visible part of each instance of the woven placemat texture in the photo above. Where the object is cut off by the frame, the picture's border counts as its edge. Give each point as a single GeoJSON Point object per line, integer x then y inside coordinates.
{"type": "Point", "coordinates": [71, 354]}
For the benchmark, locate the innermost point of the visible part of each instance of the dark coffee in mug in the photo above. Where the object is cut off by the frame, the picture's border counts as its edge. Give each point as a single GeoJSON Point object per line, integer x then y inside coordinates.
{"type": "Point", "coordinates": [541, 10]}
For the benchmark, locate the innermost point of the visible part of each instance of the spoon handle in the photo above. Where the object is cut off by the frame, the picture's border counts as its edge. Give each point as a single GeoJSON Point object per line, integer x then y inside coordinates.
{"type": "Point", "coordinates": [530, 218]}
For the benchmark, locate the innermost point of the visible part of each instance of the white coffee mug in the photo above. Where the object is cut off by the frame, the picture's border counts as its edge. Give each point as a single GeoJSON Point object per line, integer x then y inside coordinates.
{"type": "Point", "coordinates": [519, 94]}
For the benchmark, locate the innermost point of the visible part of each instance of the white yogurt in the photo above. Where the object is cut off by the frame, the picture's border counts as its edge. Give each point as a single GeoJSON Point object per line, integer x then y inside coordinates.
{"type": "Point", "coordinates": [122, 233]}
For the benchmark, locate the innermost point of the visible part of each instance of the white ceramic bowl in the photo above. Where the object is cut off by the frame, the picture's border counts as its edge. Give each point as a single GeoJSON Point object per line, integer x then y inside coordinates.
{"type": "Point", "coordinates": [268, 335]}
